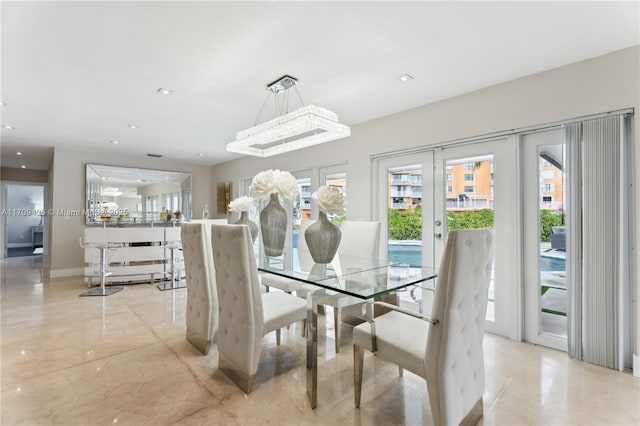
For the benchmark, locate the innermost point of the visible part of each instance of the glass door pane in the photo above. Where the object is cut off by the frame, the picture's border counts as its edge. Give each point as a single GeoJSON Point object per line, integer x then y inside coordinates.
{"type": "Point", "coordinates": [301, 209]}
{"type": "Point", "coordinates": [469, 193]}
{"type": "Point", "coordinates": [337, 180]}
{"type": "Point", "coordinates": [404, 214]}
{"type": "Point", "coordinates": [552, 242]}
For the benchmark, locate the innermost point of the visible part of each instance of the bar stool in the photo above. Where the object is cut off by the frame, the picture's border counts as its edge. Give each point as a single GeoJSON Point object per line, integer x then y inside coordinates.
{"type": "Point", "coordinates": [176, 282]}
{"type": "Point", "coordinates": [102, 290]}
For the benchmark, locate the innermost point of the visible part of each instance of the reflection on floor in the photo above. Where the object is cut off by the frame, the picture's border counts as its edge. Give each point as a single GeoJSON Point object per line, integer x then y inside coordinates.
{"type": "Point", "coordinates": [124, 359]}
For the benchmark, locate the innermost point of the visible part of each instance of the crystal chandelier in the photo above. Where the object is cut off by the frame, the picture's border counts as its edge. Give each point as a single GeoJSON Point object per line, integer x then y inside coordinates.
{"type": "Point", "coordinates": [306, 126]}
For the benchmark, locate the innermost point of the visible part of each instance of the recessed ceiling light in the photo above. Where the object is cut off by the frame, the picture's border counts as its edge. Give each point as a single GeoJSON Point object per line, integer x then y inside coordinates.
{"type": "Point", "coordinates": [201, 155]}
{"type": "Point", "coordinates": [4, 126]}
{"type": "Point", "coordinates": [405, 77]}
{"type": "Point", "coordinates": [115, 142]}
{"type": "Point", "coordinates": [18, 153]}
{"type": "Point", "coordinates": [23, 167]}
{"type": "Point", "coordinates": [163, 91]}
{"type": "Point", "coordinates": [132, 126]}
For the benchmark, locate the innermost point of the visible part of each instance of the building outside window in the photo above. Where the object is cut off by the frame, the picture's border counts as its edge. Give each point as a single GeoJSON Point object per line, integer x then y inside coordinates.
{"type": "Point", "coordinates": [468, 176]}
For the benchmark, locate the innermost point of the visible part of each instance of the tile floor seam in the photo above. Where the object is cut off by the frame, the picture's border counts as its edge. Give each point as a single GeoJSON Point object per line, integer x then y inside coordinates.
{"type": "Point", "coordinates": [499, 395]}
{"type": "Point", "coordinates": [193, 374]}
{"type": "Point", "coordinates": [175, 354]}
{"type": "Point", "coordinates": [211, 406]}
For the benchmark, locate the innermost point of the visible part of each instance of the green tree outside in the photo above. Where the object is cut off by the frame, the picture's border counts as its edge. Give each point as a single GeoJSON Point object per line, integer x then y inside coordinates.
{"type": "Point", "coordinates": [407, 224]}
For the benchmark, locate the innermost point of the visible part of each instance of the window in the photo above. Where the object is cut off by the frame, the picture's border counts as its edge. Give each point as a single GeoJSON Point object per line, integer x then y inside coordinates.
{"type": "Point", "coordinates": [547, 174]}
{"type": "Point", "coordinates": [468, 166]}
{"type": "Point", "coordinates": [449, 177]}
{"type": "Point", "coordinates": [547, 199]}
{"type": "Point", "coordinates": [468, 176]}
{"type": "Point", "coordinates": [449, 189]}
{"type": "Point", "coordinates": [548, 187]}
{"type": "Point", "coordinates": [468, 188]}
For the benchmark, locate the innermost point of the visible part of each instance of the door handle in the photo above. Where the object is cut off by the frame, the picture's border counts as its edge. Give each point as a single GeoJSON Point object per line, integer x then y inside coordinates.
{"type": "Point", "coordinates": [438, 235]}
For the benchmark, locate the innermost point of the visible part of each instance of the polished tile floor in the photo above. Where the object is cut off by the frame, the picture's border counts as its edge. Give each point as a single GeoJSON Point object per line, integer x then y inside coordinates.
{"type": "Point", "coordinates": [123, 359]}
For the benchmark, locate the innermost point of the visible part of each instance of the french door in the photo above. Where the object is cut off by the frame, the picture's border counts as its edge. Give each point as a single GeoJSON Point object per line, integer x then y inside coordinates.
{"type": "Point", "coordinates": [422, 196]}
{"type": "Point", "coordinates": [546, 281]}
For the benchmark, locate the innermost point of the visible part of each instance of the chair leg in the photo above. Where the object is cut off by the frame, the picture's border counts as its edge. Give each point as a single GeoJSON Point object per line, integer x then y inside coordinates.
{"type": "Point", "coordinates": [304, 328]}
{"type": "Point", "coordinates": [278, 337]}
{"type": "Point", "coordinates": [358, 361]}
{"type": "Point", "coordinates": [434, 401]}
{"type": "Point", "coordinates": [337, 326]}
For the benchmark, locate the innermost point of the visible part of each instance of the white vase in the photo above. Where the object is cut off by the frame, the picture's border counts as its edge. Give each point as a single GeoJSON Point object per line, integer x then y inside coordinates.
{"type": "Point", "coordinates": [273, 225]}
{"type": "Point", "coordinates": [244, 220]}
{"type": "Point", "coordinates": [323, 239]}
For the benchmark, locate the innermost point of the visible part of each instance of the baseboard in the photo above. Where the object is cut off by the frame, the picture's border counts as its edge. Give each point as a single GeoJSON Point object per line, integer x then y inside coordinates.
{"type": "Point", "coordinates": [636, 365]}
{"type": "Point", "coordinates": [58, 273]}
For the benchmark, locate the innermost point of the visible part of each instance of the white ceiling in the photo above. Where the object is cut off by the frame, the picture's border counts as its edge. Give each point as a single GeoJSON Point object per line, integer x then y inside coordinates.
{"type": "Point", "coordinates": [75, 74]}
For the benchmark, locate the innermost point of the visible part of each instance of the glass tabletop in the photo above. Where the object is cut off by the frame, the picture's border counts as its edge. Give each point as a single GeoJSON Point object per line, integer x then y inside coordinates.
{"type": "Point", "coordinates": [355, 276]}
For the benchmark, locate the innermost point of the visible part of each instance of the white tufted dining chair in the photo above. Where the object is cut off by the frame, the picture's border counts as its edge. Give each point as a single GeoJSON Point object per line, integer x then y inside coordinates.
{"type": "Point", "coordinates": [360, 239]}
{"type": "Point", "coordinates": [202, 297]}
{"type": "Point", "coordinates": [446, 348]}
{"type": "Point", "coordinates": [245, 314]}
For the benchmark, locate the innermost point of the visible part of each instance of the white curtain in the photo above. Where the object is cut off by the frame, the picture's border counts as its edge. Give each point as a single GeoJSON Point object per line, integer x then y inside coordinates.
{"type": "Point", "coordinates": [598, 246]}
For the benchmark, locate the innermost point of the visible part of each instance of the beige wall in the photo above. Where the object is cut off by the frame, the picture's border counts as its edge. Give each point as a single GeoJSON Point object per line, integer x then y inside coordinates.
{"type": "Point", "coordinates": [68, 192]}
{"type": "Point", "coordinates": [23, 175]}
{"type": "Point", "coordinates": [601, 84]}
{"type": "Point", "coordinates": [598, 85]}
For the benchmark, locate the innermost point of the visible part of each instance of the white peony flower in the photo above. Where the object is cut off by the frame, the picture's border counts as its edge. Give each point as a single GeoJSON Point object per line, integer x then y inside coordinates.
{"type": "Point", "coordinates": [241, 204]}
{"type": "Point", "coordinates": [274, 181]}
{"type": "Point", "coordinates": [286, 185]}
{"type": "Point", "coordinates": [263, 184]}
{"type": "Point", "coordinates": [330, 200]}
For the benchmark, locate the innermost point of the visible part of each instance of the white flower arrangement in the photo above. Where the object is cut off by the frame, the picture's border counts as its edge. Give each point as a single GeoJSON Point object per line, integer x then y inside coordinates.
{"type": "Point", "coordinates": [330, 200]}
{"type": "Point", "coordinates": [274, 181]}
{"type": "Point", "coordinates": [241, 204]}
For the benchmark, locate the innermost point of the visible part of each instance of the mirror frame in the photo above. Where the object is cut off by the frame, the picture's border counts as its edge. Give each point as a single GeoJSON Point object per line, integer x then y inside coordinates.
{"type": "Point", "coordinates": [127, 177]}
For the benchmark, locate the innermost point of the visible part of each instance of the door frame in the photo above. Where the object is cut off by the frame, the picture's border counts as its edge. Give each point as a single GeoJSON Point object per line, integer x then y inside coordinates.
{"type": "Point", "coordinates": [4, 235]}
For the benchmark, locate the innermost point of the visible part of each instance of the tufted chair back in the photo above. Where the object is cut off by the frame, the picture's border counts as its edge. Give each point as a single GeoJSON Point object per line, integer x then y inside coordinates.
{"type": "Point", "coordinates": [241, 326]}
{"type": "Point", "coordinates": [360, 238]}
{"type": "Point", "coordinates": [202, 297]}
{"type": "Point", "coordinates": [454, 362]}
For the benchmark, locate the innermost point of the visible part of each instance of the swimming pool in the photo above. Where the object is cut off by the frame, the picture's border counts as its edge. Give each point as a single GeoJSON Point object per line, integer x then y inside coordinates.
{"type": "Point", "coordinates": [412, 254]}
{"type": "Point", "coordinates": [552, 264]}
{"type": "Point", "coordinates": [406, 253]}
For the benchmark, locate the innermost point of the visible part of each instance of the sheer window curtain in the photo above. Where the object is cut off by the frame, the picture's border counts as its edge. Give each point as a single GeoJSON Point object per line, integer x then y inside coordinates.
{"type": "Point", "coordinates": [598, 241]}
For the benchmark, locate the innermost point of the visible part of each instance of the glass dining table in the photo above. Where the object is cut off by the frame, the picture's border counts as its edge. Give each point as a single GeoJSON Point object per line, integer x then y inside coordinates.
{"type": "Point", "coordinates": [350, 280]}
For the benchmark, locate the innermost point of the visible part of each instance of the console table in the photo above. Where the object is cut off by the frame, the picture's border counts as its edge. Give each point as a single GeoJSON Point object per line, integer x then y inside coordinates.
{"type": "Point", "coordinates": [143, 254]}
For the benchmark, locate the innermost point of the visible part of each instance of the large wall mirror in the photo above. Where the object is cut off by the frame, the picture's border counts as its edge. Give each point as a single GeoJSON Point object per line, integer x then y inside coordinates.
{"type": "Point", "coordinates": [136, 196]}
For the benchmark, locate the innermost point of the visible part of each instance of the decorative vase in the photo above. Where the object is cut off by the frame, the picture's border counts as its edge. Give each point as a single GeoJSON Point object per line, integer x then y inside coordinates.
{"type": "Point", "coordinates": [273, 225]}
{"type": "Point", "coordinates": [244, 220]}
{"type": "Point", "coordinates": [323, 239]}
